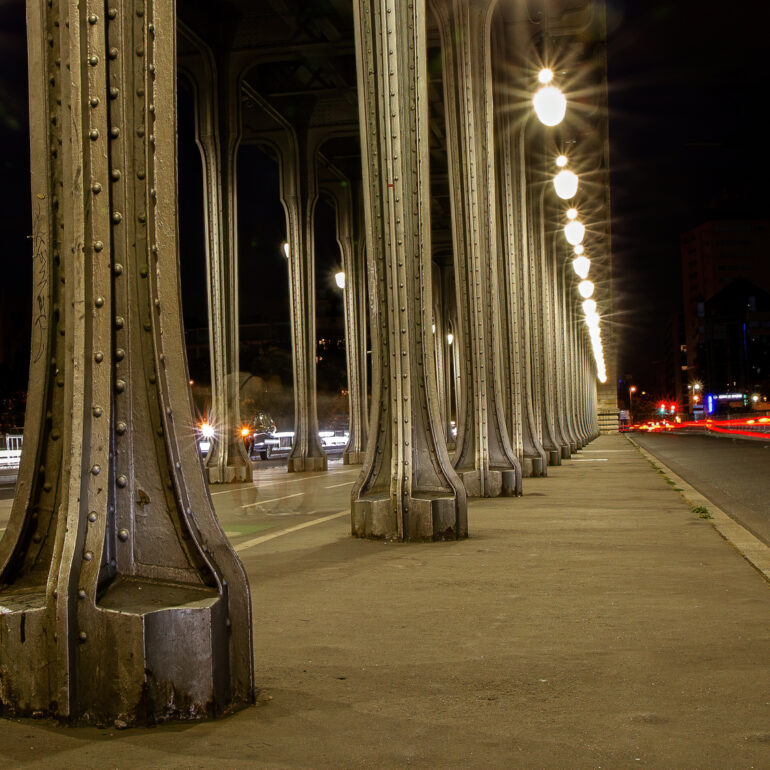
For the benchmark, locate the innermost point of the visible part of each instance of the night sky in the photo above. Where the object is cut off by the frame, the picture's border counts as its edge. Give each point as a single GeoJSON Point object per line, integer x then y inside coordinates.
{"type": "Point", "coordinates": [687, 86]}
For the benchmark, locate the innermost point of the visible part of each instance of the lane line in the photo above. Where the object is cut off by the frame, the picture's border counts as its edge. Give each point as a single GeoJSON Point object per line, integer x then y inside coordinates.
{"type": "Point", "coordinates": [228, 491]}
{"type": "Point", "coordinates": [344, 484]}
{"type": "Point", "coordinates": [273, 500]}
{"type": "Point", "coordinates": [265, 538]}
{"type": "Point", "coordinates": [591, 460]}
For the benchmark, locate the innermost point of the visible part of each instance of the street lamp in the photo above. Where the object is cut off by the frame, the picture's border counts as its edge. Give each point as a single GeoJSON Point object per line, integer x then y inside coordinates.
{"type": "Point", "coordinates": [574, 232]}
{"type": "Point", "coordinates": [340, 279]}
{"type": "Point", "coordinates": [549, 102]}
{"type": "Point", "coordinates": [586, 289]}
{"type": "Point", "coordinates": [581, 265]}
{"type": "Point", "coordinates": [566, 184]}
{"type": "Point", "coordinates": [285, 248]}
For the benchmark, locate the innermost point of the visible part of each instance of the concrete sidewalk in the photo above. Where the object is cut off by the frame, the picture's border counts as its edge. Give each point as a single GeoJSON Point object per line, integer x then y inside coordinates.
{"type": "Point", "coordinates": [597, 622]}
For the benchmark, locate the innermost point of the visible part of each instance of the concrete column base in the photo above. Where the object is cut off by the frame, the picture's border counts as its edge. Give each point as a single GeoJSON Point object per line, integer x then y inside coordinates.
{"type": "Point", "coordinates": [303, 464]}
{"type": "Point", "coordinates": [565, 452]}
{"type": "Point", "coordinates": [230, 474]}
{"type": "Point", "coordinates": [496, 483]}
{"type": "Point", "coordinates": [573, 447]}
{"type": "Point", "coordinates": [353, 458]}
{"type": "Point", "coordinates": [423, 519]}
{"type": "Point", "coordinates": [554, 457]}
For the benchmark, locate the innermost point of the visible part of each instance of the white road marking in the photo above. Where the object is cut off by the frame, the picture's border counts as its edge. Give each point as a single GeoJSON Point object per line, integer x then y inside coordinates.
{"type": "Point", "coordinates": [344, 484]}
{"type": "Point", "coordinates": [592, 460]}
{"type": "Point", "coordinates": [273, 500]}
{"type": "Point", "coordinates": [265, 538]}
{"type": "Point", "coordinates": [227, 491]}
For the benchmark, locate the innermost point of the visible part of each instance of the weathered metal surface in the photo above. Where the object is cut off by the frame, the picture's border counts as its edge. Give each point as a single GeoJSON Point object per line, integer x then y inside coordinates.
{"type": "Point", "coordinates": [299, 194]}
{"type": "Point", "coordinates": [484, 458]}
{"type": "Point", "coordinates": [407, 489]}
{"type": "Point", "coordinates": [514, 260]}
{"type": "Point", "coordinates": [341, 195]}
{"type": "Point", "coordinates": [120, 597]}
{"type": "Point", "coordinates": [218, 135]}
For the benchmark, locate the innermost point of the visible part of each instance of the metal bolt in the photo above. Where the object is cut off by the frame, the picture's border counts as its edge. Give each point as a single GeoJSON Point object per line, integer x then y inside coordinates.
{"type": "Point", "coordinates": [88, 556]}
{"type": "Point", "coordinates": [96, 470]}
{"type": "Point", "coordinates": [122, 481]}
{"type": "Point", "coordinates": [98, 411]}
{"type": "Point", "coordinates": [121, 428]}
{"type": "Point", "coordinates": [123, 535]}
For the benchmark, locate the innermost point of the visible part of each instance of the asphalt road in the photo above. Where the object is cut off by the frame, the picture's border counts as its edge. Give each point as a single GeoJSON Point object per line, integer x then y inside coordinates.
{"type": "Point", "coordinates": [733, 473]}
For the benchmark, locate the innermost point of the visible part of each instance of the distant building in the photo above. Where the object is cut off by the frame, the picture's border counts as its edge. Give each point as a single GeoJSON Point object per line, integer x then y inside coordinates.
{"type": "Point", "coordinates": [714, 255]}
{"type": "Point", "coordinates": [734, 350]}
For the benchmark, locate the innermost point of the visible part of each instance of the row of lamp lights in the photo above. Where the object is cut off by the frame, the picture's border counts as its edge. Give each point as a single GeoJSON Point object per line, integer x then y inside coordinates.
{"type": "Point", "coordinates": [550, 106]}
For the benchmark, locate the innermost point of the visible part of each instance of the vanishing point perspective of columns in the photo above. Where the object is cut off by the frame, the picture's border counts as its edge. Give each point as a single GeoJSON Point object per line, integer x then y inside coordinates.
{"type": "Point", "coordinates": [448, 137]}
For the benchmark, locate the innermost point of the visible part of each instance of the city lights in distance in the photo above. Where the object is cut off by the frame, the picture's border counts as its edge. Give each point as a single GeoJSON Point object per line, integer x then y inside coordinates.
{"type": "Point", "coordinates": [581, 265]}
{"type": "Point", "coordinates": [340, 279]}
{"type": "Point", "coordinates": [566, 184]}
{"type": "Point", "coordinates": [586, 289]}
{"type": "Point", "coordinates": [574, 232]}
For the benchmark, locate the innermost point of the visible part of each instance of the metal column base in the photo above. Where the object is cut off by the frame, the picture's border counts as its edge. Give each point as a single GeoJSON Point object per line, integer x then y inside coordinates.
{"type": "Point", "coordinates": [494, 484]}
{"type": "Point", "coordinates": [565, 452]}
{"type": "Point", "coordinates": [353, 458]}
{"type": "Point", "coordinates": [554, 457]}
{"type": "Point", "coordinates": [424, 519]}
{"type": "Point", "coordinates": [304, 464]}
{"type": "Point", "coordinates": [230, 474]}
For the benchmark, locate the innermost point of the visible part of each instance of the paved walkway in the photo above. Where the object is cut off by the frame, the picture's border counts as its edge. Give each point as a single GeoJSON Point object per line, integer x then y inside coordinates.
{"type": "Point", "coordinates": [597, 622]}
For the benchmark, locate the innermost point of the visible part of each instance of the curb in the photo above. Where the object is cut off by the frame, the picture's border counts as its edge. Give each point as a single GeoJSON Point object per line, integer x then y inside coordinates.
{"type": "Point", "coordinates": [744, 542]}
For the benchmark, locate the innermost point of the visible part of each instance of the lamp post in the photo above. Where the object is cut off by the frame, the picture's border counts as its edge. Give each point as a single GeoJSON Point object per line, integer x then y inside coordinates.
{"type": "Point", "coordinates": [631, 392]}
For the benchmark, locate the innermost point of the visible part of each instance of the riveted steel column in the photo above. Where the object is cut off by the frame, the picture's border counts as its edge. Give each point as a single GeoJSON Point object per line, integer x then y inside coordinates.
{"type": "Point", "coordinates": [341, 195]}
{"type": "Point", "coordinates": [514, 256]}
{"type": "Point", "coordinates": [564, 324]}
{"type": "Point", "coordinates": [437, 328]}
{"type": "Point", "coordinates": [541, 341]}
{"type": "Point", "coordinates": [299, 195]}
{"type": "Point", "coordinates": [407, 489]}
{"type": "Point", "coordinates": [218, 133]}
{"type": "Point", "coordinates": [557, 361]}
{"type": "Point", "coordinates": [121, 597]}
{"type": "Point", "coordinates": [484, 458]}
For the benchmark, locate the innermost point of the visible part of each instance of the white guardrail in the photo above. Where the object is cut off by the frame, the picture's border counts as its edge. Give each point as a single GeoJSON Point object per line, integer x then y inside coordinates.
{"type": "Point", "coordinates": [10, 450]}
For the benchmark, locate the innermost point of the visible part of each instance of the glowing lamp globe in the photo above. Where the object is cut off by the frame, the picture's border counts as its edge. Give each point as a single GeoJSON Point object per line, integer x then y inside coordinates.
{"type": "Point", "coordinates": [550, 105]}
{"type": "Point", "coordinates": [561, 161]}
{"type": "Point", "coordinates": [581, 265]}
{"type": "Point", "coordinates": [285, 247]}
{"type": "Point", "coordinates": [586, 289]}
{"type": "Point", "coordinates": [340, 279]}
{"type": "Point", "coordinates": [207, 430]}
{"type": "Point", "coordinates": [574, 232]}
{"type": "Point", "coordinates": [579, 249]}
{"type": "Point", "coordinates": [589, 307]}
{"type": "Point", "coordinates": [566, 184]}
